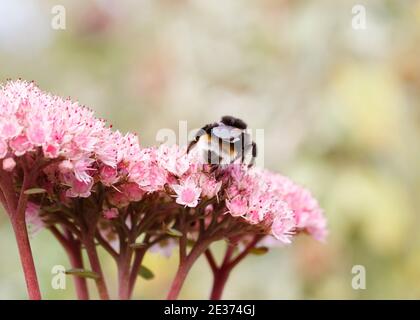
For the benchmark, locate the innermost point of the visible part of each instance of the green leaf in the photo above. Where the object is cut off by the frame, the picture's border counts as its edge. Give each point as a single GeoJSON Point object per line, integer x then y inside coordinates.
{"type": "Point", "coordinates": [174, 232]}
{"type": "Point", "coordinates": [51, 209]}
{"type": "Point", "coordinates": [34, 191]}
{"type": "Point", "coordinates": [171, 224]}
{"type": "Point", "coordinates": [146, 273]}
{"type": "Point", "coordinates": [190, 243]}
{"type": "Point", "coordinates": [83, 273]}
{"type": "Point", "coordinates": [137, 245]}
{"type": "Point", "coordinates": [259, 251]}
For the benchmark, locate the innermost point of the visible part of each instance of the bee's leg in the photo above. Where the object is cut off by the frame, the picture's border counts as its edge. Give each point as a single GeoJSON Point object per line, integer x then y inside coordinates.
{"type": "Point", "coordinates": [204, 130]}
{"type": "Point", "coordinates": [192, 144]}
{"type": "Point", "coordinates": [254, 154]}
{"type": "Point", "coordinates": [209, 157]}
{"type": "Point", "coordinates": [213, 168]}
{"type": "Point", "coordinates": [219, 167]}
{"type": "Point", "coordinates": [243, 148]}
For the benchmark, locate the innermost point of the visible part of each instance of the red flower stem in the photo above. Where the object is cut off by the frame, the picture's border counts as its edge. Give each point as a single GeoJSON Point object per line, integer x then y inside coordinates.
{"type": "Point", "coordinates": [220, 278]}
{"type": "Point", "coordinates": [245, 252]}
{"type": "Point", "coordinates": [74, 253]}
{"type": "Point", "coordinates": [105, 244]}
{"type": "Point", "coordinates": [96, 267]}
{"type": "Point", "coordinates": [139, 254]}
{"type": "Point", "coordinates": [230, 249]}
{"type": "Point", "coordinates": [16, 208]}
{"type": "Point", "coordinates": [211, 260]}
{"type": "Point", "coordinates": [221, 274]}
{"type": "Point", "coordinates": [138, 259]}
{"type": "Point", "coordinates": [76, 261]}
{"type": "Point", "coordinates": [25, 253]}
{"type": "Point", "coordinates": [124, 262]}
{"type": "Point", "coordinates": [88, 220]}
{"type": "Point", "coordinates": [185, 266]}
{"type": "Point", "coordinates": [123, 281]}
{"type": "Point", "coordinates": [215, 231]}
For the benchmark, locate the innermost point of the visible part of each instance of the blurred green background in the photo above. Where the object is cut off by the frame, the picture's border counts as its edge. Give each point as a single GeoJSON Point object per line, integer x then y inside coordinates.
{"type": "Point", "coordinates": [339, 106]}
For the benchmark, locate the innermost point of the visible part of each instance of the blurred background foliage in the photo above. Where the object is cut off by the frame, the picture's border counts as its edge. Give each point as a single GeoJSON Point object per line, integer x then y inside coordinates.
{"type": "Point", "coordinates": [340, 110]}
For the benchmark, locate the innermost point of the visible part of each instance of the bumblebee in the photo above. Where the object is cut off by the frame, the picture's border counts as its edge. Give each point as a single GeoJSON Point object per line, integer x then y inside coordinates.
{"type": "Point", "coordinates": [225, 142]}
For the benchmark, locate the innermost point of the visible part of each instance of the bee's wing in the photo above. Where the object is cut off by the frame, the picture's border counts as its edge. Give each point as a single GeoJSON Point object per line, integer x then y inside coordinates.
{"type": "Point", "coordinates": [227, 133]}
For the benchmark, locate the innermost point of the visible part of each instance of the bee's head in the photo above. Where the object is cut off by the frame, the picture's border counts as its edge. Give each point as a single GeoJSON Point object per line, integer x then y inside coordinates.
{"type": "Point", "coordinates": [233, 122]}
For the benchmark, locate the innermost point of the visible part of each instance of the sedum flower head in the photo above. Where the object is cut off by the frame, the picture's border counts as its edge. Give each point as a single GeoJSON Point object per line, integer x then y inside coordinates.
{"type": "Point", "coordinates": [83, 157]}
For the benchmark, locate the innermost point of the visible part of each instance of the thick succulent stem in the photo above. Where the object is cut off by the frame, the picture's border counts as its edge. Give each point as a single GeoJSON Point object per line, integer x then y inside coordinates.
{"type": "Point", "coordinates": [138, 259]}
{"type": "Point", "coordinates": [76, 261]}
{"type": "Point", "coordinates": [221, 274]}
{"type": "Point", "coordinates": [25, 253]}
{"type": "Point", "coordinates": [16, 207]}
{"type": "Point", "coordinates": [185, 266]}
{"type": "Point", "coordinates": [96, 267]}
{"type": "Point", "coordinates": [124, 262]}
{"type": "Point", "coordinates": [220, 278]}
{"type": "Point", "coordinates": [74, 252]}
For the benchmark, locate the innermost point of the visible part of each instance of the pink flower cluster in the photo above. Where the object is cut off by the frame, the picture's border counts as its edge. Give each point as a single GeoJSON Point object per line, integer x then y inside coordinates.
{"type": "Point", "coordinates": [256, 196]}
{"type": "Point", "coordinates": [89, 152]}
{"type": "Point", "coordinates": [99, 181]}
{"type": "Point", "coordinates": [33, 121]}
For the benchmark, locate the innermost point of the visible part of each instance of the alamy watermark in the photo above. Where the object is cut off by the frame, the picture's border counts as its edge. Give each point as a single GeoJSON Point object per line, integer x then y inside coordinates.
{"type": "Point", "coordinates": [358, 22]}
{"type": "Point", "coordinates": [358, 281]}
{"type": "Point", "coordinates": [58, 280]}
{"type": "Point", "coordinates": [58, 20]}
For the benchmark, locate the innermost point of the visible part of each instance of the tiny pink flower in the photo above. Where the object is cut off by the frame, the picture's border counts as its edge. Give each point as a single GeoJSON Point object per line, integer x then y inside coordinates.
{"type": "Point", "coordinates": [9, 164]}
{"type": "Point", "coordinates": [36, 133]}
{"type": "Point", "coordinates": [173, 159]}
{"type": "Point", "coordinates": [81, 169]}
{"type": "Point", "coordinates": [282, 229]}
{"type": "Point", "coordinates": [210, 187]}
{"type": "Point", "coordinates": [237, 207]}
{"type": "Point", "coordinates": [79, 188]}
{"type": "Point", "coordinates": [65, 166]}
{"type": "Point", "coordinates": [110, 213]}
{"type": "Point", "coordinates": [132, 191]}
{"type": "Point", "coordinates": [118, 199]}
{"type": "Point", "coordinates": [188, 193]}
{"type": "Point", "coordinates": [20, 145]}
{"type": "Point", "coordinates": [122, 169]}
{"type": "Point", "coordinates": [253, 216]}
{"type": "Point", "coordinates": [51, 150]}
{"type": "Point", "coordinates": [108, 175]}
{"type": "Point", "coordinates": [9, 128]}
{"type": "Point", "coordinates": [154, 179]}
